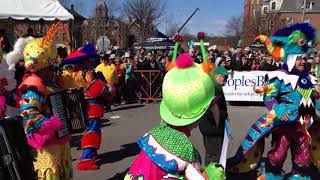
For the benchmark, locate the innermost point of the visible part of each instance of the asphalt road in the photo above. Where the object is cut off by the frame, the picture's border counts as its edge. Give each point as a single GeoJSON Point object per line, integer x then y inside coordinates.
{"type": "Point", "coordinates": [123, 126]}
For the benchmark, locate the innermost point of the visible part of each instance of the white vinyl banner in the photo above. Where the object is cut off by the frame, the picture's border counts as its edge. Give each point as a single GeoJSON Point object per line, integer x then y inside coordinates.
{"type": "Point", "coordinates": [239, 86]}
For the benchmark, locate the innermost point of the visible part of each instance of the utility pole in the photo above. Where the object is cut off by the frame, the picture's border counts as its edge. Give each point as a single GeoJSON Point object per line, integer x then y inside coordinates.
{"type": "Point", "coordinates": [303, 10]}
{"type": "Point", "coordinates": [188, 20]}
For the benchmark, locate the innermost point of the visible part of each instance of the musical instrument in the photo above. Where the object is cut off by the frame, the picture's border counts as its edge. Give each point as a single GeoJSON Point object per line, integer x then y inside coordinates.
{"type": "Point", "coordinates": [70, 107]}
{"type": "Point", "coordinates": [16, 162]}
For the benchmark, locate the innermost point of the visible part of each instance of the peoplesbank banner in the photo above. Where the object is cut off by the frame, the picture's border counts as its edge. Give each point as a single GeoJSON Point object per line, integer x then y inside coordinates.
{"type": "Point", "coordinates": [239, 86]}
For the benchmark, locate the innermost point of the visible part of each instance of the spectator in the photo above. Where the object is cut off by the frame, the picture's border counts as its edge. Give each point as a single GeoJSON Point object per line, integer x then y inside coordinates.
{"type": "Point", "coordinates": [255, 65]}
{"type": "Point", "coordinates": [142, 63]}
{"type": "Point", "coordinates": [4, 42]}
{"type": "Point", "coordinates": [268, 65]}
{"type": "Point", "coordinates": [109, 72]}
{"type": "Point", "coordinates": [244, 64]}
{"type": "Point", "coordinates": [20, 71]}
{"type": "Point", "coordinates": [228, 65]}
{"type": "Point", "coordinates": [121, 72]}
{"type": "Point", "coordinates": [315, 67]}
{"type": "Point", "coordinates": [191, 52]}
{"type": "Point", "coordinates": [222, 62]}
{"type": "Point", "coordinates": [153, 64]}
{"type": "Point", "coordinates": [162, 65]}
{"type": "Point", "coordinates": [129, 80]}
{"type": "Point", "coordinates": [212, 123]}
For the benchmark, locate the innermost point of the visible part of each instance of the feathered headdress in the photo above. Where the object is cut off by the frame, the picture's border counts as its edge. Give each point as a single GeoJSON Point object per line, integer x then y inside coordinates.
{"type": "Point", "coordinates": [36, 52]}
{"type": "Point", "coordinates": [187, 88]}
{"type": "Point", "coordinates": [288, 43]}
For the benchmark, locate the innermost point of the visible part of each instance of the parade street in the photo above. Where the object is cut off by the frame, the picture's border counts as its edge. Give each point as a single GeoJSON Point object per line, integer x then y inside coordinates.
{"type": "Point", "coordinates": [122, 127]}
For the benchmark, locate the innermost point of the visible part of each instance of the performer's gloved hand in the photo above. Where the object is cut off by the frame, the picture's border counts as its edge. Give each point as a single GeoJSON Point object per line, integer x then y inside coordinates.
{"type": "Point", "coordinates": [214, 171]}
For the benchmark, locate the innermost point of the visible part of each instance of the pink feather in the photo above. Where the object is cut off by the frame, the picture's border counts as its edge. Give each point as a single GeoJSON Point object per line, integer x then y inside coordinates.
{"type": "Point", "coordinates": [184, 61]}
{"type": "Point", "coordinates": [201, 35]}
{"type": "Point", "coordinates": [47, 134]}
{"type": "Point", "coordinates": [178, 38]}
{"type": "Point", "coordinates": [2, 107]}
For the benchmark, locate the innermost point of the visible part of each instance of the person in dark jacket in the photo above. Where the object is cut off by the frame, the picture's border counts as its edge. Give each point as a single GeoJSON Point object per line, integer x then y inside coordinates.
{"type": "Point", "coordinates": [268, 65]}
{"type": "Point", "coordinates": [212, 124]}
{"type": "Point", "coordinates": [20, 71]}
{"type": "Point", "coordinates": [244, 64]}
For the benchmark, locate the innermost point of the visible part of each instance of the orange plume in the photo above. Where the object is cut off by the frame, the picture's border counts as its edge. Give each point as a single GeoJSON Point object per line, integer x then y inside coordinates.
{"type": "Point", "coordinates": [50, 34]}
{"type": "Point", "coordinates": [207, 67]}
{"type": "Point", "coordinates": [170, 66]}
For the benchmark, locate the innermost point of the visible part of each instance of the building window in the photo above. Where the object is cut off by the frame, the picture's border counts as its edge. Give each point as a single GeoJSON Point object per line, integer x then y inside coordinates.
{"type": "Point", "coordinates": [309, 5]}
{"type": "Point", "coordinates": [273, 5]}
{"type": "Point", "coordinates": [265, 10]}
{"type": "Point", "coordinates": [289, 21]}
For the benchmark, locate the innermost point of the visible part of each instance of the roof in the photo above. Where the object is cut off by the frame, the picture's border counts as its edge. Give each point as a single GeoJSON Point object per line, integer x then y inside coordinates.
{"type": "Point", "coordinates": [296, 6]}
{"type": "Point", "coordinates": [101, 2]}
{"type": "Point", "coordinates": [156, 42]}
{"type": "Point", "coordinates": [75, 14]}
{"type": "Point", "coordinates": [34, 10]}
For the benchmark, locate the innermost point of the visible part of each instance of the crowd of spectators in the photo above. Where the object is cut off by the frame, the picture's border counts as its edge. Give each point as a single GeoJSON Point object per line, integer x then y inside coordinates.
{"type": "Point", "coordinates": [126, 70]}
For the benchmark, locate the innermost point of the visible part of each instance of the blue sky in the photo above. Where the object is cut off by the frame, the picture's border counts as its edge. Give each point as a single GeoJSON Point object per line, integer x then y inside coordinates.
{"type": "Point", "coordinates": [211, 18]}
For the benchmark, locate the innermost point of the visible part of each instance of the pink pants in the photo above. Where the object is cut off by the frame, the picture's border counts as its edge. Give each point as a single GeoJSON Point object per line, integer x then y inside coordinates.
{"type": "Point", "coordinates": [292, 137]}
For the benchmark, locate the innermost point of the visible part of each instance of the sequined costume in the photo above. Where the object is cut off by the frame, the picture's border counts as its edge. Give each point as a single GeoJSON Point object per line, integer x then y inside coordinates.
{"type": "Point", "coordinates": [95, 92]}
{"type": "Point", "coordinates": [287, 93]}
{"type": "Point", "coordinates": [166, 150]}
{"type": "Point", "coordinates": [53, 157]}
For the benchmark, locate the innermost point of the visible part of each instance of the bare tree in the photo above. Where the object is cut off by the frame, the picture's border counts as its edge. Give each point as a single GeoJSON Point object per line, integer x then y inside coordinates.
{"type": "Point", "coordinates": [172, 29]}
{"type": "Point", "coordinates": [269, 23]}
{"type": "Point", "coordinates": [113, 7]}
{"type": "Point", "coordinates": [234, 27]}
{"type": "Point", "coordinates": [146, 13]}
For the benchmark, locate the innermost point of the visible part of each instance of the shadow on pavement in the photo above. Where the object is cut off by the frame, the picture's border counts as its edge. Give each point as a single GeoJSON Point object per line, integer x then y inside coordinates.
{"type": "Point", "coordinates": [126, 150]}
{"type": "Point", "coordinates": [76, 141]}
{"type": "Point", "coordinates": [76, 138]}
{"type": "Point", "coordinates": [127, 107]}
{"type": "Point", "coordinates": [106, 123]}
{"type": "Point", "coordinates": [245, 176]}
{"type": "Point", "coordinates": [312, 171]}
{"type": "Point", "coordinates": [119, 176]}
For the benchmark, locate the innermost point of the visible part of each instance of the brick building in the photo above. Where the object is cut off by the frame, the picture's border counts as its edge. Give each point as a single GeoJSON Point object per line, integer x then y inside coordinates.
{"type": "Point", "coordinates": [67, 32]}
{"type": "Point", "coordinates": [121, 33]}
{"type": "Point", "coordinates": [250, 20]}
{"type": "Point", "coordinates": [275, 14]}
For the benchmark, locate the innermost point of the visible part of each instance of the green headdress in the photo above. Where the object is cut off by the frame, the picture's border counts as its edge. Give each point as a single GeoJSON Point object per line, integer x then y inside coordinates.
{"type": "Point", "coordinates": [187, 90]}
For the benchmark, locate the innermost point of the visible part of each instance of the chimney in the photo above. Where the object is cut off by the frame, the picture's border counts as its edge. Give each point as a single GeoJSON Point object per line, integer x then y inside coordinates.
{"type": "Point", "coordinates": [72, 6]}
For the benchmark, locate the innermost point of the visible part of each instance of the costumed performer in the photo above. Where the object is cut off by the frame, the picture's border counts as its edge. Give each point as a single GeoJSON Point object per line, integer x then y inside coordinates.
{"type": "Point", "coordinates": [166, 150]}
{"type": "Point", "coordinates": [95, 92]}
{"type": "Point", "coordinates": [53, 157]}
{"type": "Point", "coordinates": [289, 96]}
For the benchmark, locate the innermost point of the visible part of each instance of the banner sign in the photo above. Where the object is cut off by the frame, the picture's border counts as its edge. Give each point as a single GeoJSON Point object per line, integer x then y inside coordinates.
{"type": "Point", "coordinates": [239, 86]}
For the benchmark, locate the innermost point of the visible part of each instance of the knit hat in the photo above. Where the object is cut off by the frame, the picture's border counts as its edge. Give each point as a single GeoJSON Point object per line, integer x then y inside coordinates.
{"type": "Point", "coordinates": [220, 70]}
